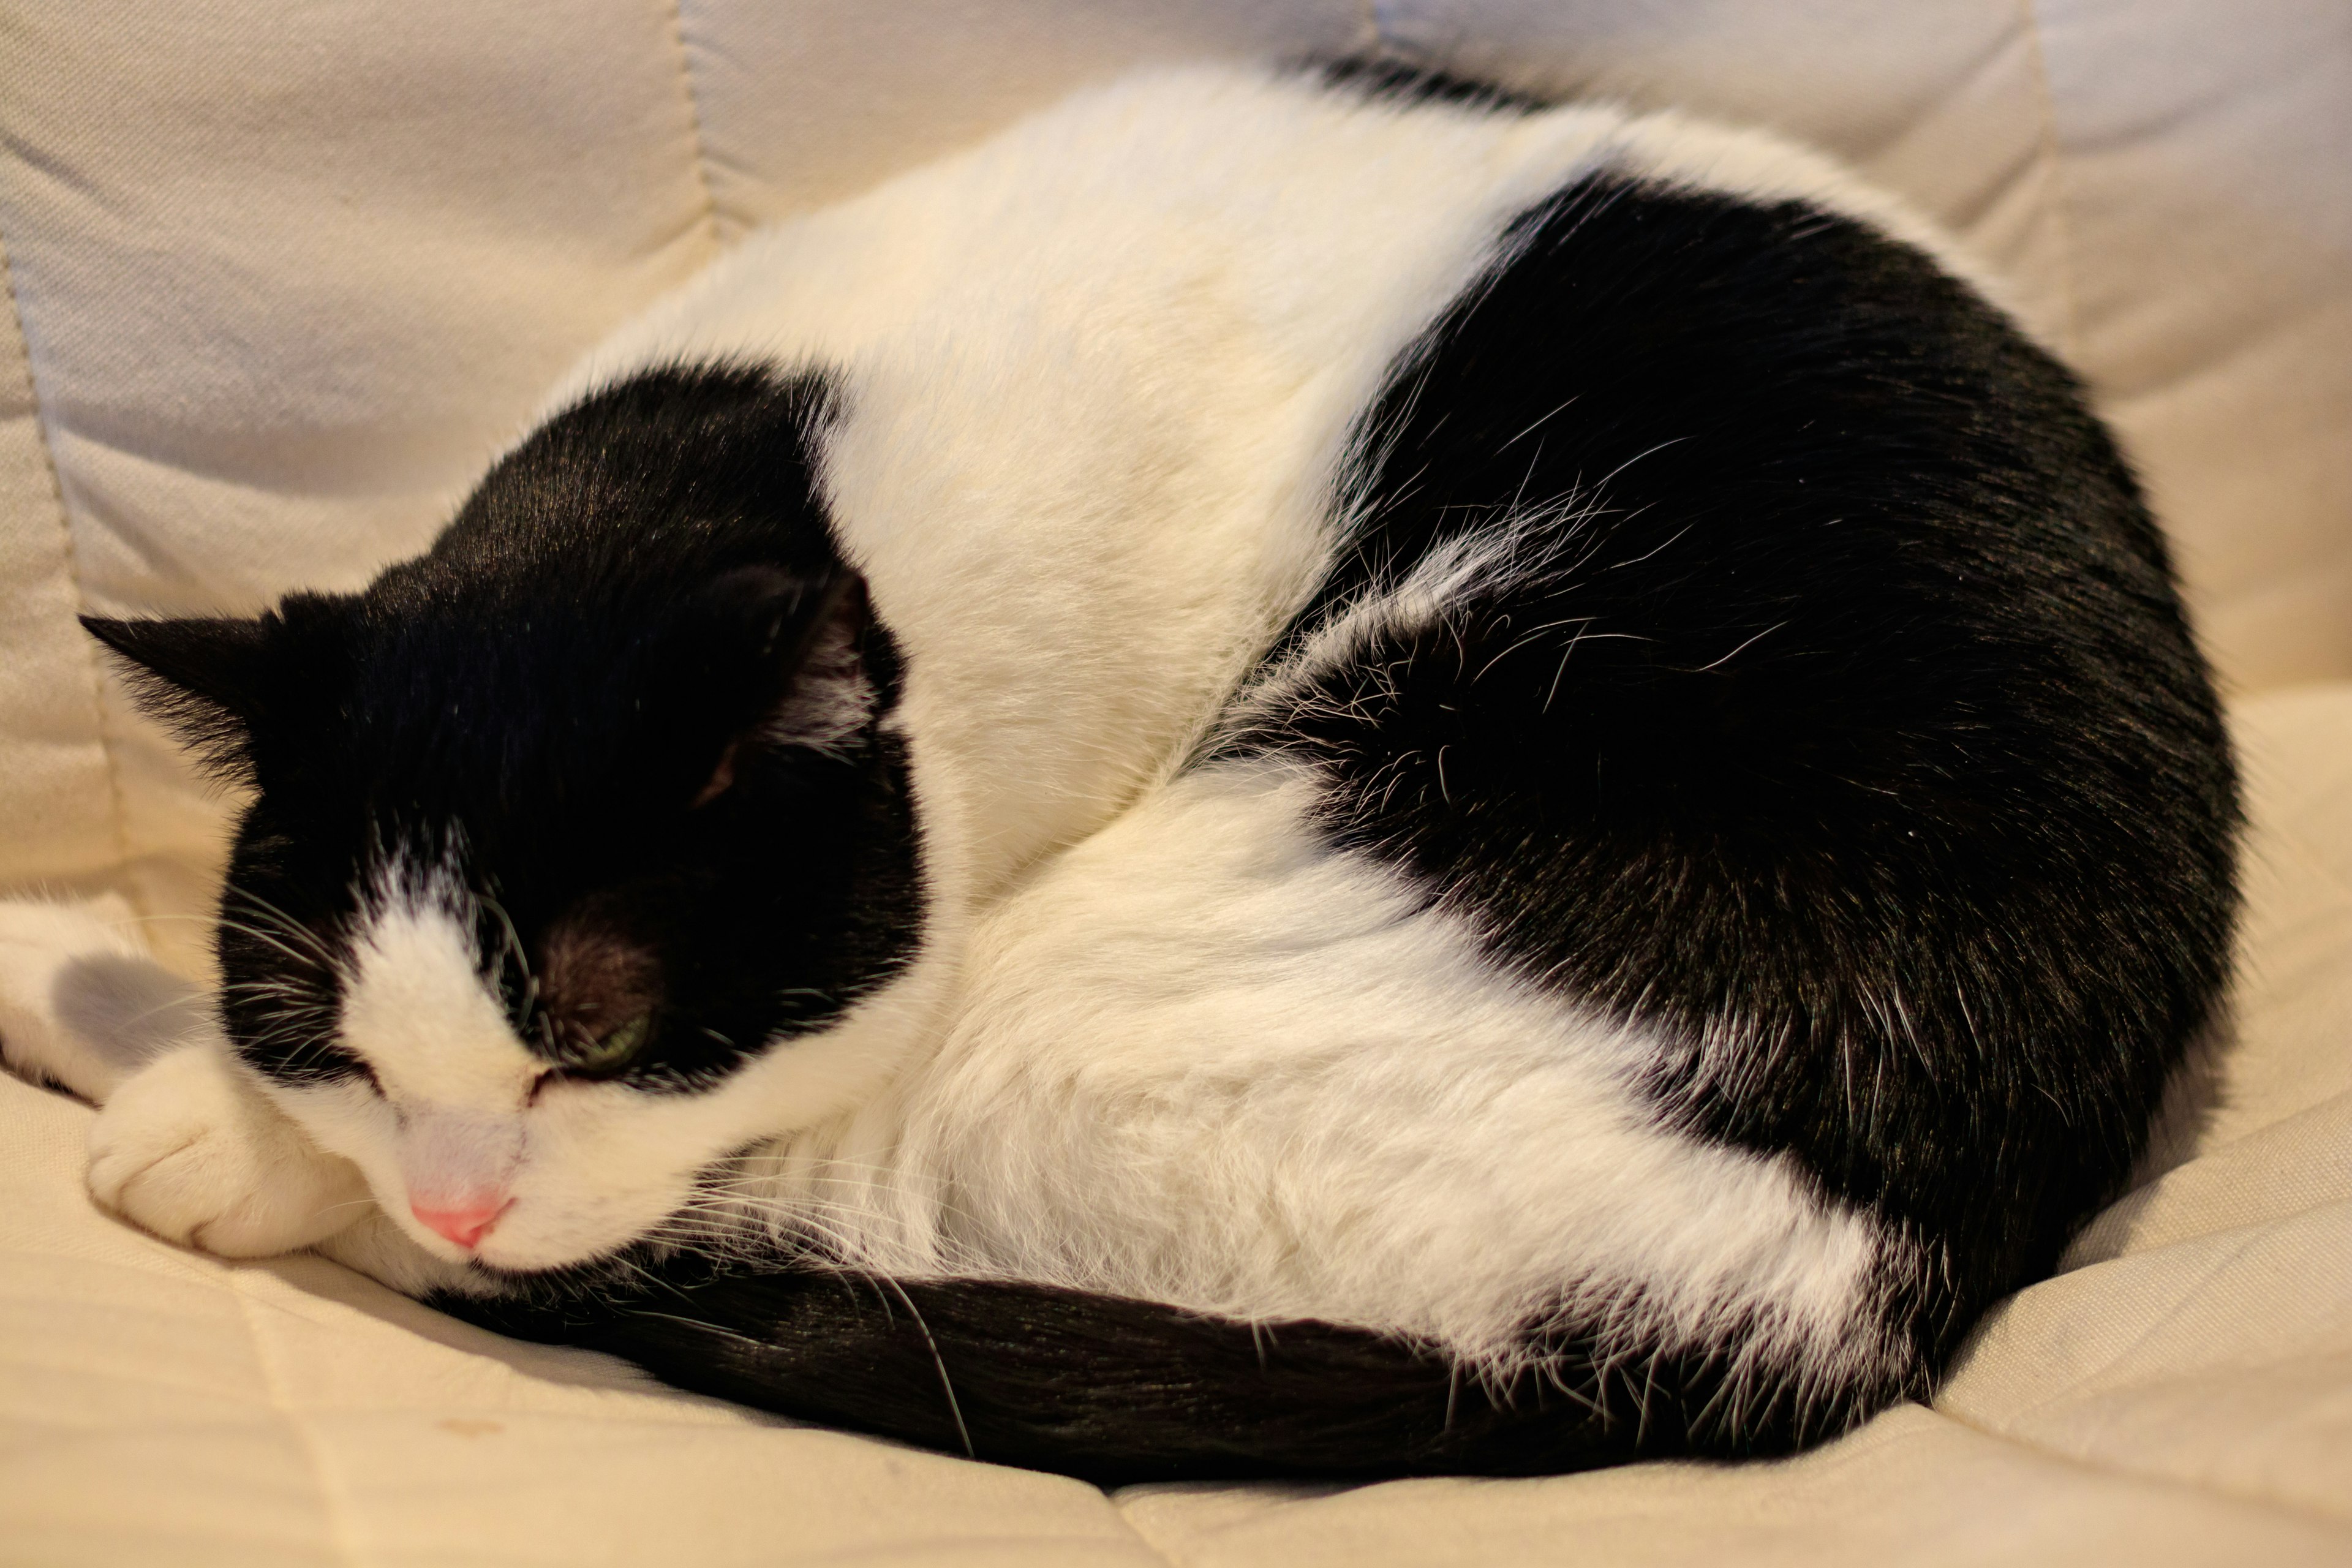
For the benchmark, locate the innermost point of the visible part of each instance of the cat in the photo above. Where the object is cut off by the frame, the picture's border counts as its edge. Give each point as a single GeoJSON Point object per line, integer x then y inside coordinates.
{"type": "Point", "coordinates": [1290, 773]}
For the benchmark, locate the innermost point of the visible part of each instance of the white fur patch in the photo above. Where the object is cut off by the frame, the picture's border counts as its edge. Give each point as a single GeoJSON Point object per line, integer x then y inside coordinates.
{"type": "Point", "coordinates": [1206, 1060]}
{"type": "Point", "coordinates": [417, 1004]}
{"type": "Point", "coordinates": [1531, 543]}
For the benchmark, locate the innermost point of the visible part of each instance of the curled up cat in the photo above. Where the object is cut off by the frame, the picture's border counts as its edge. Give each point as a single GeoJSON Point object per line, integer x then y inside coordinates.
{"type": "Point", "coordinates": [1290, 773]}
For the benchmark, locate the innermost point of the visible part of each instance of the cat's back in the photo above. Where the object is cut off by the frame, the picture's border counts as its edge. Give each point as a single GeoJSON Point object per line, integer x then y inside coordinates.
{"type": "Point", "coordinates": [1098, 378]}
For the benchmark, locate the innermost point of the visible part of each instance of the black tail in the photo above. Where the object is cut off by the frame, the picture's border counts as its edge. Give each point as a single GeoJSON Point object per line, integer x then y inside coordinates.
{"type": "Point", "coordinates": [1115, 1391]}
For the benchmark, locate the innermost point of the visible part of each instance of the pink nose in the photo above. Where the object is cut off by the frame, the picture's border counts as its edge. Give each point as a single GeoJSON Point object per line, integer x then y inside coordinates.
{"type": "Point", "coordinates": [464, 1223]}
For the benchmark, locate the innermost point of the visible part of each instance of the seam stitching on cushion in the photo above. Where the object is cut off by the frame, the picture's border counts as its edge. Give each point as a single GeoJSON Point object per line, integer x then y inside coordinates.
{"type": "Point", "coordinates": [331, 1496]}
{"type": "Point", "coordinates": [2053, 154]}
{"type": "Point", "coordinates": [694, 122]}
{"type": "Point", "coordinates": [109, 748]}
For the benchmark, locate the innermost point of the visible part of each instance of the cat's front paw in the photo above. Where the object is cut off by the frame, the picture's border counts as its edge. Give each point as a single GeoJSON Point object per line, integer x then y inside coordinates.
{"type": "Point", "coordinates": [82, 1006]}
{"type": "Point", "coordinates": [189, 1150]}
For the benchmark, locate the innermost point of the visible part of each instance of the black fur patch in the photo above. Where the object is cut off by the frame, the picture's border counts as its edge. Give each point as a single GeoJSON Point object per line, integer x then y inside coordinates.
{"type": "Point", "coordinates": [1840, 724]}
{"type": "Point", "coordinates": [1117, 1391]}
{"type": "Point", "coordinates": [564, 699]}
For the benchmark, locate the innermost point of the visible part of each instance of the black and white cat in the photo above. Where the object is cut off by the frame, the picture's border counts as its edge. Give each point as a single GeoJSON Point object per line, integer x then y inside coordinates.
{"type": "Point", "coordinates": [1285, 773]}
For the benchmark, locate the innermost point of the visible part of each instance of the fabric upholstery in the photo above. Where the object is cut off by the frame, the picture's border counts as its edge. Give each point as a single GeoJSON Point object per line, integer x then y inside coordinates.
{"type": "Point", "coordinates": [283, 278]}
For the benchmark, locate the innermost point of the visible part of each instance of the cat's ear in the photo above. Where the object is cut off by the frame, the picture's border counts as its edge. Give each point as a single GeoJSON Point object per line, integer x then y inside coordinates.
{"type": "Point", "coordinates": [202, 678]}
{"type": "Point", "coordinates": [808, 645]}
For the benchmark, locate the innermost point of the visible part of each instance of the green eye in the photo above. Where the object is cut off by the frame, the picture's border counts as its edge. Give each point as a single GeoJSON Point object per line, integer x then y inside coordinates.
{"type": "Point", "coordinates": [617, 1047]}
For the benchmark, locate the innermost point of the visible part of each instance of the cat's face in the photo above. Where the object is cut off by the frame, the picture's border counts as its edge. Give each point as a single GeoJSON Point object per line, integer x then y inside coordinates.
{"type": "Point", "coordinates": [567, 874]}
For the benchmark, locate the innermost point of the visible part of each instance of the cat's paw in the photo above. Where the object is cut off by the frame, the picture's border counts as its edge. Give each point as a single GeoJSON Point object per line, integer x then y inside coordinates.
{"type": "Point", "coordinates": [190, 1150]}
{"type": "Point", "coordinates": [82, 1006]}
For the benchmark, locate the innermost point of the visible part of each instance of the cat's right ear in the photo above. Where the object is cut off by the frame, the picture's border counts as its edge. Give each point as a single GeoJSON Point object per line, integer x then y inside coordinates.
{"type": "Point", "coordinates": [202, 678]}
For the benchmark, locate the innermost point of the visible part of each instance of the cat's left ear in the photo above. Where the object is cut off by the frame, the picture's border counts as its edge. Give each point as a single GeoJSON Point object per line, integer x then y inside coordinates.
{"type": "Point", "coordinates": [202, 678]}
{"type": "Point", "coordinates": [823, 668]}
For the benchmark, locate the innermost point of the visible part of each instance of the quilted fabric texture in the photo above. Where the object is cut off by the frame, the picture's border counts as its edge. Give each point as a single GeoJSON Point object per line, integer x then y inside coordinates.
{"type": "Point", "coordinates": [284, 278]}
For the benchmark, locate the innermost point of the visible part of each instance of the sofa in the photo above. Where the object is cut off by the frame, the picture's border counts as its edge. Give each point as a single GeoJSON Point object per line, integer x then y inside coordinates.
{"type": "Point", "coordinates": [281, 279]}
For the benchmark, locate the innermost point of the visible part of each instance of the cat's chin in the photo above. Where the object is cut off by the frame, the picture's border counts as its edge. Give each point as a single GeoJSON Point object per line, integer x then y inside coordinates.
{"type": "Point", "coordinates": [560, 1249]}
{"type": "Point", "coordinates": [616, 1268]}
{"type": "Point", "coordinates": [518, 1264]}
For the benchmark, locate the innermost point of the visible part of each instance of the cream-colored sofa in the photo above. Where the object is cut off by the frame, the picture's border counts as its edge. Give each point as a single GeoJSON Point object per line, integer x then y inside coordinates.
{"type": "Point", "coordinates": [282, 278]}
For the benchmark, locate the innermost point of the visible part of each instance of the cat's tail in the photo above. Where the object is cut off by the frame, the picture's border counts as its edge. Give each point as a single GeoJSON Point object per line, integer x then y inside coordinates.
{"type": "Point", "coordinates": [1114, 1391]}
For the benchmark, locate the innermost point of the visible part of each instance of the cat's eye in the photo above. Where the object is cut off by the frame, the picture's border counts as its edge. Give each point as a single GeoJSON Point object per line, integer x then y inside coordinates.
{"type": "Point", "coordinates": [618, 1045]}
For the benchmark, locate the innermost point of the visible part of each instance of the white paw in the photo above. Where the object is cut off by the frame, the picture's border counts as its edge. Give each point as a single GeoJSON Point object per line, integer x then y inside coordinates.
{"type": "Point", "coordinates": [191, 1150]}
{"type": "Point", "coordinates": [82, 1006]}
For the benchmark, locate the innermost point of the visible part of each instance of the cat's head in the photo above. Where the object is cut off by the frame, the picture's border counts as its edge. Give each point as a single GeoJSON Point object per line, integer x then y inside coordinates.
{"type": "Point", "coordinates": [580, 851]}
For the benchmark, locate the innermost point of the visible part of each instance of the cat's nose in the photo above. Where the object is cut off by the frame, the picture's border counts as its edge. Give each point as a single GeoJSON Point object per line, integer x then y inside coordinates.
{"type": "Point", "coordinates": [464, 1223]}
